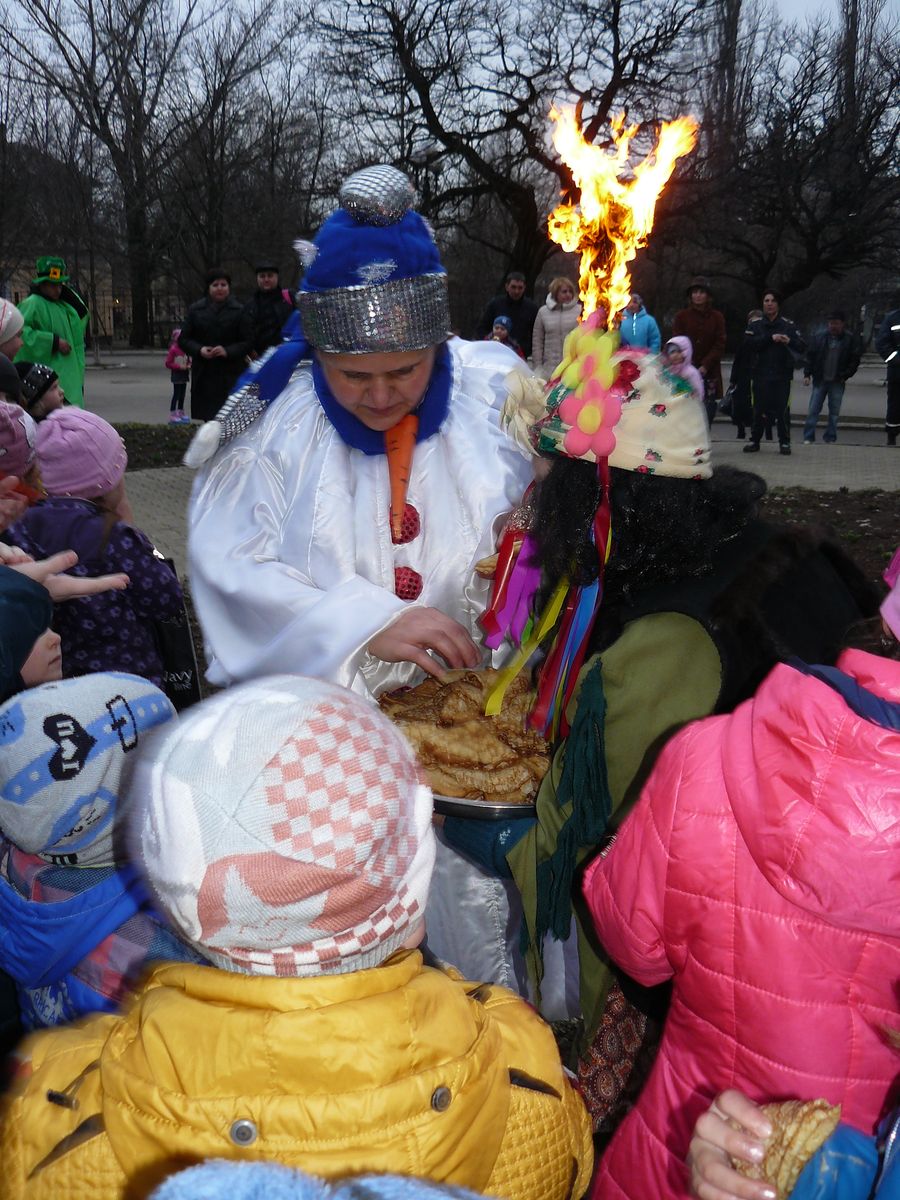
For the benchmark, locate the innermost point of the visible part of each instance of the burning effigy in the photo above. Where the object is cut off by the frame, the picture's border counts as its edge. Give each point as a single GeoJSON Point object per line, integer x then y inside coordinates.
{"type": "Point", "coordinates": [613, 217]}
{"type": "Point", "coordinates": [581, 413]}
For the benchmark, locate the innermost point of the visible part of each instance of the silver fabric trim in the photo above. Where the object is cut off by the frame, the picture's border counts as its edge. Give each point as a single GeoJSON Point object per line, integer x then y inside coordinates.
{"type": "Point", "coordinates": [403, 314]}
{"type": "Point", "coordinates": [377, 195]}
{"type": "Point", "coordinates": [239, 412]}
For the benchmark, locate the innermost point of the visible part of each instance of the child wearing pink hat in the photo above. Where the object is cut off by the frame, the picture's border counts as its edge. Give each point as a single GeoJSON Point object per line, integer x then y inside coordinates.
{"type": "Point", "coordinates": [82, 462]}
{"type": "Point", "coordinates": [18, 443]}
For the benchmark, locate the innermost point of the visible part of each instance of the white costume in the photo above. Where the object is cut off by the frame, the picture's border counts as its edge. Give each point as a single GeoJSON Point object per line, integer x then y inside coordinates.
{"type": "Point", "coordinates": [292, 570]}
{"type": "Point", "coordinates": [291, 559]}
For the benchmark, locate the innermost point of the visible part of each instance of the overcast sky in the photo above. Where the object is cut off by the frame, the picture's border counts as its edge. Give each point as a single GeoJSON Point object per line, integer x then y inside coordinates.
{"type": "Point", "coordinates": [797, 10]}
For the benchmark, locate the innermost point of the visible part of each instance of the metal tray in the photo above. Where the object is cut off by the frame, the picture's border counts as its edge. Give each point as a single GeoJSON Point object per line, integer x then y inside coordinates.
{"type": "Point", "coordinates": [480, 810]}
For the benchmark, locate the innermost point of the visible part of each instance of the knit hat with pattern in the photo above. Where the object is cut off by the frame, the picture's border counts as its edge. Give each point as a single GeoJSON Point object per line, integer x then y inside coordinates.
{"type": "Point", "coordinates": [285, 830]}
{"type": "Point", "coordinates": [67, 750]}
{"type": "Point", "coordinates": [79, 454]}
{"type": "Point", "coordinates": [36, 379]}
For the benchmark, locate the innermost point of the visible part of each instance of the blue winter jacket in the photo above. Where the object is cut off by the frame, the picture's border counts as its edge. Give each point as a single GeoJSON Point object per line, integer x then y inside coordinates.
{"type": "Point", "coordinates": [57, 952]}
{"type": "Point", "coordinates": [851, 1166]}
{"type": "Point", "coordinates": [640, 329]}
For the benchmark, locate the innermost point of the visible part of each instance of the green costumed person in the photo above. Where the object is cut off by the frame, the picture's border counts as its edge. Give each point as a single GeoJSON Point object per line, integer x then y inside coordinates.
{"type": "Point", "coordinates": [55, 320]}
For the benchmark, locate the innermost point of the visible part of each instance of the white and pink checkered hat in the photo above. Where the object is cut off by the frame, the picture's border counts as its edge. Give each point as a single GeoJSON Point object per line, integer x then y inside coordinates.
{"type": "Point", "coordinates": [285, 829]}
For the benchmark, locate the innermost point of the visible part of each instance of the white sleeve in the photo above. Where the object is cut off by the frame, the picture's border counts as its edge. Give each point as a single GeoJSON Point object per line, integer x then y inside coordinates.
{"type": "Point", "coordinates": [483, 368]}
{"type": "Point", "coordinates": [251, 552]}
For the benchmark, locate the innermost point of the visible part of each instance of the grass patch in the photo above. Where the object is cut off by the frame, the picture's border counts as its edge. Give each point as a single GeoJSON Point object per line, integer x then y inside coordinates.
{"type": "Point", "coordinates": [151, 446]}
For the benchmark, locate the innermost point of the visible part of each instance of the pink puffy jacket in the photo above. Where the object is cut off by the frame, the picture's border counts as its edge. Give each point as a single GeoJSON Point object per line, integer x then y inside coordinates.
{"type": "Point", "coordinates": [760, 871]}
{"type": "Point", "coordinates": [176, 359]}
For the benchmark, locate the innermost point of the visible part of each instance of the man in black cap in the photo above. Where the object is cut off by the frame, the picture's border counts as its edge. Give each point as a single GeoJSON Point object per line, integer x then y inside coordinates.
{"type": "Point", "coordinates": [269, 308]}
{"type": "Point", "coordinates": [705, 326]}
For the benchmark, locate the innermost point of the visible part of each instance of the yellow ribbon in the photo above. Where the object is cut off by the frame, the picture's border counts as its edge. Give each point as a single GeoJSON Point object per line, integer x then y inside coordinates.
{"type": "Point", "coordinates": [548, 619]}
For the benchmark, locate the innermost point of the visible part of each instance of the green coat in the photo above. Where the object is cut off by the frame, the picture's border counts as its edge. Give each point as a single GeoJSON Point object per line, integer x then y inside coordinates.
{"type": "Point", "coordinates": [46, 321]}
{"type": "Point", "coordinates": [663, 671]}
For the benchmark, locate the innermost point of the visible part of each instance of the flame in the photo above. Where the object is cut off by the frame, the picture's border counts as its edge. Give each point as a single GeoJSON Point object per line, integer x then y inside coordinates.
{"type": "Point", "coordinates": [614, 217]}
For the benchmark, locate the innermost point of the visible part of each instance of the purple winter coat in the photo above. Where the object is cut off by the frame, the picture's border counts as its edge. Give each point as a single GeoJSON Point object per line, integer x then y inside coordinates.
{"type": "Point", "coordinates": [111, 631]}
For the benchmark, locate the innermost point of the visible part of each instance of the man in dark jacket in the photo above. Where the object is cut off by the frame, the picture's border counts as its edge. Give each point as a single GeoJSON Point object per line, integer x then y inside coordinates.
{"type": "Point", "coordinates": [887, 343]}
{"type": "Point", "coordinates": [269, 308]}
{"type": "Point", "coordinates": [776, 341]}
{"type": "Point", "coordinates": [705, 326]}
{"type": "Point", "coordinates": [832, 357]}
{"type": "Point", "coordinates": [515, 305]}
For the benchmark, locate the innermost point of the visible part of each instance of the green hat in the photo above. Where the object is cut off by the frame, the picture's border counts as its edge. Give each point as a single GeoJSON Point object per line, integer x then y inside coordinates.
{"type": "Point", "coordinates": [50, 269]}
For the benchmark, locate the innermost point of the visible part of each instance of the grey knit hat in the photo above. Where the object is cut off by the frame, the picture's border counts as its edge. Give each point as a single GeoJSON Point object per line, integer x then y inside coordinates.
{"type": "Point", "coordinates": [67, 750]}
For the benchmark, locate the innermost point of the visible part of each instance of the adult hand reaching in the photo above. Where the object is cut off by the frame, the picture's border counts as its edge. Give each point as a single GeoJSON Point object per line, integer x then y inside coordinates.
{"type": "Point", "coordinates": [63, 346]}
{"type": "Point", "coordinates": [421, 632]}
{"type": "Point", "coordinates": [48, 571]}
{"type": "Point", "coordinates": [716, 1141]}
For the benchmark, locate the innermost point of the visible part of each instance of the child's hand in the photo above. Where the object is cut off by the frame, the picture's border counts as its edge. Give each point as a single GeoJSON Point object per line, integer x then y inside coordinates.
{"type": "Point", "coordinates": [12, 503]}
{"type": "Point", "coordinates": [49, 572]}
{"type": "Point", "coordinates": [11, 556]}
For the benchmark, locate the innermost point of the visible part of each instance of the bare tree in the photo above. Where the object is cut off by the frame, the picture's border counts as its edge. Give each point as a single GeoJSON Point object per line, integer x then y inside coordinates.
{"type": "Point", "coordinates": [470, 83]}
{"type": "Point", "coordinates": [800, 174]}
{"type": "Point", "coordinates": [125, 68]}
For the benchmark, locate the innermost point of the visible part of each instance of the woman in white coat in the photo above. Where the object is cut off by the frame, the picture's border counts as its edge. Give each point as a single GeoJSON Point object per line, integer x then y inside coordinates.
{"type": "Point", "coordinates": [558, 317]}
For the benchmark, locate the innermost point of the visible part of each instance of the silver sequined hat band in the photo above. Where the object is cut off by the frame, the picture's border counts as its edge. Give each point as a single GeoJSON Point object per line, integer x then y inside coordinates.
{"type": "Point", "coordinates": [403, 314]}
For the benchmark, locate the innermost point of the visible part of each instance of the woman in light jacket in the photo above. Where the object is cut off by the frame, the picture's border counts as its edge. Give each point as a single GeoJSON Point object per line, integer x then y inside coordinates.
{"type": "Point", "coordinates": [555, 319]}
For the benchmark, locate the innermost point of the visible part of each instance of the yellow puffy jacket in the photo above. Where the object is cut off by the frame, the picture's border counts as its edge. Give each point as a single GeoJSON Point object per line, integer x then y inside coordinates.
{"type": "Point", "coordinates": [401, 1068]}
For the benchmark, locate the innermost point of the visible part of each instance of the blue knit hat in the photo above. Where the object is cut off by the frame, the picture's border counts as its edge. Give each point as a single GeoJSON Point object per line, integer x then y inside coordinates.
{"type": "Point", "coordinates": [374, 281]}
{"type": "Point", "coordinates": [271, 1181]}
{"type": "Point", "coordinates": [373, 284]}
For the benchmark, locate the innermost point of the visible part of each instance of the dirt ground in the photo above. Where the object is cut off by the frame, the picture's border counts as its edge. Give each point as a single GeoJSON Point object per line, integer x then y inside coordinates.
{"type": "Point", "coordinates": [867, 524]}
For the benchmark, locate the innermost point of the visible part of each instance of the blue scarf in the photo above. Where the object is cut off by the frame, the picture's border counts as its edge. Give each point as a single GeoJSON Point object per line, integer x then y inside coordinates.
{"type": "Point", "coordinates": [275, 370]}
{"type": "Point", "coordinates": [864, 703]}
{"type": "Point", "coordinates": [432, 410]}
